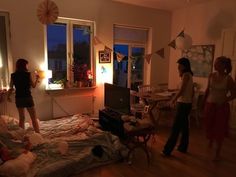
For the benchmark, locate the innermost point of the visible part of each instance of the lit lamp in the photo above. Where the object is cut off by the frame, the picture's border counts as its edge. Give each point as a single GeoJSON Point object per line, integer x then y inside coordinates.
{"type": "Point", "coordinates": [49, 74]}
{"type": "Point", "coordinates": [40, 73]}
{"type": "Point", "coordinates": [44, 74]}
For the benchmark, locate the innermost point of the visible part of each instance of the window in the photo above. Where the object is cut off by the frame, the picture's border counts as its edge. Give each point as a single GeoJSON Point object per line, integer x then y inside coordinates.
{"type": "Point", "coordinates": [130, 42]}
{"type": "Point", "coordinates": [70, 52]}
{"type": "Point", "coordinates": [5, 59]}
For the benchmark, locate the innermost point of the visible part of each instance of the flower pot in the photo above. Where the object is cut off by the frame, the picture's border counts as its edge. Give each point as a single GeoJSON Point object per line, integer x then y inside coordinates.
{"type": "Point", "coordinates": [80, 84]}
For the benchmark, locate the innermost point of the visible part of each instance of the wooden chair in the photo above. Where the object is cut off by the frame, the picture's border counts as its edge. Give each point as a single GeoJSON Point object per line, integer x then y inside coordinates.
{"type": "Point", "coordinates": [137, 106]}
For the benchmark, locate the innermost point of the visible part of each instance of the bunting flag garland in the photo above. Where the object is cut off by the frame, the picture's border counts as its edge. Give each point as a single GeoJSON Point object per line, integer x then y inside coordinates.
{"type": "Point", "coordinates": [132, 57]}
{"type": "Point", "coordinates": [96, 40]}
{"type": "Point", "coordinates": [172, 44]}
{"type": "Point", "coordinates": [107, 49]}
{"type": "Point", "coordinates": [119, 56]}
{"type": "Point", "coordinates": [148, 58]}
{"type": "Point", "coordinates": [181, 34]}
{"type": "Point", "coordinates": [161, 52]}
{"type": "Point", "coordinates": [86, 30]}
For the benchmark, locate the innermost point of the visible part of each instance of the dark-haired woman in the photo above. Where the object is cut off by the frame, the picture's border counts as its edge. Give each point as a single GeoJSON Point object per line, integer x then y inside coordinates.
{"type": "Point", "coordinates": [220, 90]}
{"type": "Point", "coordinates": [183, 101]}
{"type": "Point", "coordinates": [22, 81]}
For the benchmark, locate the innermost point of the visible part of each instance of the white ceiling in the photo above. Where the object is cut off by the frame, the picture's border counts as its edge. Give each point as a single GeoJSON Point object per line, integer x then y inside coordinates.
{"type": "Point", "coordinates": [162, 4]}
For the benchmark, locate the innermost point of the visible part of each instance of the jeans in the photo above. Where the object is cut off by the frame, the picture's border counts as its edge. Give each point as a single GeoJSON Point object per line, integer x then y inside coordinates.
{"type": "Point", "coordinates": [180, 125]}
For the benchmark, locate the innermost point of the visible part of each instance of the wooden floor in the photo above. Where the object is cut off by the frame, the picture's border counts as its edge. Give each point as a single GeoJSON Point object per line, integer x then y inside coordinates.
{"type": "Point", "coordinates": [196, 163]}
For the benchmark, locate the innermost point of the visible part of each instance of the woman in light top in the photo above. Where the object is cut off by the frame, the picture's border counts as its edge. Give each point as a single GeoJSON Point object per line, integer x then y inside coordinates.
{"type": "Point", "coordinates": [183, 98]}
{"type": "Point", "coordinates": [220, 90]}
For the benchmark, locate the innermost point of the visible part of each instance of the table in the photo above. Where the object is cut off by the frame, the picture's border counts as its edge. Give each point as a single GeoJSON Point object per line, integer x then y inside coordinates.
{"type": "Point", "coordinates": [152, 99]}
{"type": "Point", "coordinates": [137, 136]}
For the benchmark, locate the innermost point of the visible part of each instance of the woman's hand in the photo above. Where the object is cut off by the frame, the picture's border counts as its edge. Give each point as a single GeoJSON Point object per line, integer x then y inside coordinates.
{"type": "Point", "coordinates": [37, 77]}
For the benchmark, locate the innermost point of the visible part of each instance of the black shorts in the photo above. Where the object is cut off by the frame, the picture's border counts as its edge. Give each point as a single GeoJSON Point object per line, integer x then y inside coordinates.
{"type": "Point", "coordinates": [24, 102]}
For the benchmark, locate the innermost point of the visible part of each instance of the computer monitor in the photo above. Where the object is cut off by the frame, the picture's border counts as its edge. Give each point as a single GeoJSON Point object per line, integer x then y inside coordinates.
{"type": "Point", "coordinates": [117, 98]}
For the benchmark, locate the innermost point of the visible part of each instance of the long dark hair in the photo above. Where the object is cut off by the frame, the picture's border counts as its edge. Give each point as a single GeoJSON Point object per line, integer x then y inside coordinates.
{"type": "Point", "coordinates": [226, 62]}
{"type": "Point", "coordinates": [21, 64]}
{"type": "Point", "coordinates": [186, 63]}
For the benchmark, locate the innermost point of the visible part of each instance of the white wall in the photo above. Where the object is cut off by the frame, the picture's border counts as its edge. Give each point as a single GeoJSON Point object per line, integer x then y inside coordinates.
{"type": "Point", "coordinates": [27, 37]}
{"type": "Point", "coordinates": [204, 23]}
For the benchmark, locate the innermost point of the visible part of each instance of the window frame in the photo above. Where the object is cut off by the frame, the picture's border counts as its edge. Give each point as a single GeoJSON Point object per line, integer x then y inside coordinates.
{"type": "Point", "coordinates": [9, 60]}
{"type": "Point", "coordinates": [130, 46]}
{"type": "Point", "coordinates": [69, 47]}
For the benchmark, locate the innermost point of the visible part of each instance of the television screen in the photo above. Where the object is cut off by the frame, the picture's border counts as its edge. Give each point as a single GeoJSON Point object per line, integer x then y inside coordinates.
{"type": "Point", "coordinates": [117, 98]}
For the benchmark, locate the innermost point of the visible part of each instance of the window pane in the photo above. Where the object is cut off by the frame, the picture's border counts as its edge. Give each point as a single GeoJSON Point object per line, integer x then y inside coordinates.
{"type": "Point", "coordinates": [3, 53]}
{"type": "Point", "coordinates": [81, 52]}
{"type": "Point", "coordinates": [126, 34]}
{"type": "Point", "coordinates": [57, 58]}
{"type": "Point", "coordinates": [137, 66]}
{"type": "Point", "coordinates": [120, 69]}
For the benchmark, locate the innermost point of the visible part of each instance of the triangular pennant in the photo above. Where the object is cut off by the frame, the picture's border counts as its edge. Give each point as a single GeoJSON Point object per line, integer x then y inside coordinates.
{"type": "Point", "coordinates": [148, 57]}
{"type": "Point", "coordinates": [86, 31]}
{"type": "Point", "coordinates": [132, 57]}
{"type": "Point", "coordinates": [181, 34]}
{"type": "Point", "coordinates": [107, 50]}
{"type": "Point", "coordinates": [161, 52]}
{"type": "Point", "coordinates": [172, 44]}
{"type": "Point", "coordinates": [96, 40]}
{"type": "Point", "coordinates": [119, 56]}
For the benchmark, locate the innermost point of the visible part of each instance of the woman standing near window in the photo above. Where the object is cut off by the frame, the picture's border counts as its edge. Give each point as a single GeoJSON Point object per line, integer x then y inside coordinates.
{"type": "Point", "coordinates": [23, 82]}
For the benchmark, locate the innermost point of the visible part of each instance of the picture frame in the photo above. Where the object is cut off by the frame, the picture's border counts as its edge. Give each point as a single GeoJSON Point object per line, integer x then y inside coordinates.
{"type": "Point", "coordinates": [201, 58]}
{"type": "Point", "coordinates": [104, 57]}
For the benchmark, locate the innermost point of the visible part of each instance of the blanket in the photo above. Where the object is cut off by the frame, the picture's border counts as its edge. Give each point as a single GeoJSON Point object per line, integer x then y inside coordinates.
{"type": "Point", "coordinates": [71, 145]}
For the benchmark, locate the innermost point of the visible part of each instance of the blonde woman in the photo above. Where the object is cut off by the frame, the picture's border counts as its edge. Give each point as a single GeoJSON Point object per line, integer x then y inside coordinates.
{"type": "Point", "coordinates": [220, 90]}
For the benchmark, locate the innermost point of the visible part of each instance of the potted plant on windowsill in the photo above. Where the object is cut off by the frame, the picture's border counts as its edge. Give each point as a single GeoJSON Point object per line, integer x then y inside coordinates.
{"type": "Point", "coordinates": [82, 75]}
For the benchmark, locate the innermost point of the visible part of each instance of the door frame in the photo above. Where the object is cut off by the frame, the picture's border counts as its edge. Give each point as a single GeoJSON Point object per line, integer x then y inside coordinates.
{"type": "Point", "coordinates": [130, 46]}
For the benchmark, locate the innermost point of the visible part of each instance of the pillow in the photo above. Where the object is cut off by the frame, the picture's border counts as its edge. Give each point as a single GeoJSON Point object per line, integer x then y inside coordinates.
{"type": "Point", "coordinates": [35, 139]}
{"type": "Point", "coordinates": [18, 167]}
{"type": "Point", "coordinates": [3, 126]}
{"type": "Point", "coordinates": [11, 122]}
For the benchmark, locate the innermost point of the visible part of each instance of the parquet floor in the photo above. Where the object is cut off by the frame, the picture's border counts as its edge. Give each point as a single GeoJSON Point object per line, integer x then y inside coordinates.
{"type": "Point", "coordinates": [196, 163]}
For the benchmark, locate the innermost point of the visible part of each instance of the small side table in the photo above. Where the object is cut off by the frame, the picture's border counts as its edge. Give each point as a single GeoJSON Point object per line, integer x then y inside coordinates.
{"type": "Point", "coordinates": [138, 137]}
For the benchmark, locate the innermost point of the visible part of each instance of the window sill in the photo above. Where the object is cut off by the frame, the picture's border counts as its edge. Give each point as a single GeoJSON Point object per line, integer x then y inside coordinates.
{"type": "Point", "coordinates": [70, 89]}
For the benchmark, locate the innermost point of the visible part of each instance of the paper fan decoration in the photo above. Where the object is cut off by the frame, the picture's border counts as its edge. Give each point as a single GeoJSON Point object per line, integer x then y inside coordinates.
{"type": "Point", "coordinates": [47, 12]}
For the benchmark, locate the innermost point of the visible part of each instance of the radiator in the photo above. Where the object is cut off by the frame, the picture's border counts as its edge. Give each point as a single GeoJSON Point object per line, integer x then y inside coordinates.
{"type": "Point", "coordinates": [70, 105]}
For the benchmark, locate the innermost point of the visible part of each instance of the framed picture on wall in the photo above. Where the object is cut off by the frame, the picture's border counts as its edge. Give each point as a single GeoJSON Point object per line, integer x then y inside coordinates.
{"type": "Point", "coordinates": [201, 58]}
{"type": "Point", "coordinates": [104, 57]}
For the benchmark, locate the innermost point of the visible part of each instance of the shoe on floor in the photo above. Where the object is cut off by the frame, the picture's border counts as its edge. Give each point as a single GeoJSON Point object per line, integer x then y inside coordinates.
{"type": "Point", "coordinates": [164, 154]}
{"type": "Point", "coordinates": [182, 151]}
